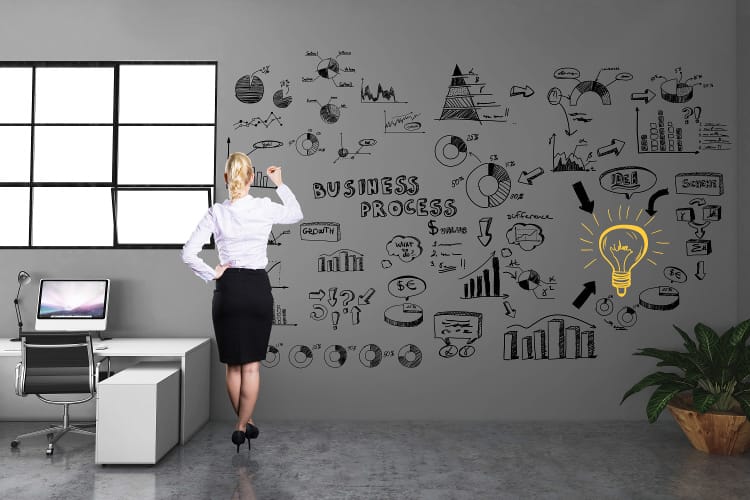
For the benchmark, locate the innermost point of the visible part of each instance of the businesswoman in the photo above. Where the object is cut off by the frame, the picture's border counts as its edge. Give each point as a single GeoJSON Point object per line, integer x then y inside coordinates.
{"type": "Point", "coordinates": [242, 307]}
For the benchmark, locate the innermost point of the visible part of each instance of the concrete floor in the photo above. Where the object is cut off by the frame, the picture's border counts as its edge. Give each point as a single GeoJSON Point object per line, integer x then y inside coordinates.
{"type": "Point", "coordinates": [387, 460]}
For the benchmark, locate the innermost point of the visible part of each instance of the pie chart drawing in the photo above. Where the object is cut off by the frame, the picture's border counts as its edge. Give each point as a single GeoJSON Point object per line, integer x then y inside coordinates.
{"type": "Point", "coordinates": [249, 89]}
{"type": "Point", "coordinates": [676, 92]}
{"type": "Point", "coordinates": [280, 100]}
{"type": "Point", "coordinates": [488, 185]}
{"type": "Point", "coordinates": [451, 150]}
{"type": "Point", "coordinates": [330, 113]}
{"type": "Point", "coordinates": [659, 298]}
{"type": "Point", "coordinates": [529, 280]}
{"type": "Point", "coordinates": [328, 68]}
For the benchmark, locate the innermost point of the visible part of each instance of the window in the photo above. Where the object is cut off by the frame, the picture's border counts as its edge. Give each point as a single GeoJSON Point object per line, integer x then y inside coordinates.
{"type": "Point", "coordinates": [105, 154]}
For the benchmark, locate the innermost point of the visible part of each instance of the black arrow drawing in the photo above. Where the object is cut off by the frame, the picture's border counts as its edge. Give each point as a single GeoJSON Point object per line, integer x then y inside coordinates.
{"type": "Point", "coordinates": [700, 273]}
{"type": "Point", "coordinates": [484, 231]}
{"type": "Point", "coordinates": [509, 311]}
{"type": "Point", "coordinates": [646, 95]}
{"type": "Point", "coordinates": [613, 147]}
{"type": "Point", "coordinates": [662, 192]}
{"type": "Point", "coordinates": [228, 141]}
{"type": "Point", "coordinates": [528, 177]}
{"type": "Point", "coordinates": [588, 289]}
{"type": "Point", "coordinates": [525, 91]}
{"type": "Point", "coordinates": [586, 204]}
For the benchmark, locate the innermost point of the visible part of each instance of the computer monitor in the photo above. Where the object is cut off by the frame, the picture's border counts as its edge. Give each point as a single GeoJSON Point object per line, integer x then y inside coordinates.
{"type": "Point", "coordinates": [72, 305]}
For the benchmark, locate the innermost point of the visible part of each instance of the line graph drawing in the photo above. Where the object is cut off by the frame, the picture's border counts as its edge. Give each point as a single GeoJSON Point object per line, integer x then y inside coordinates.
{"type": "Point", "coordinates": [274, 239]}
{"type": "Point", "coordinates": [570, 162]}
{"type": "Point", "coordinates": [274, 274]}
{"type": "Point", "coordinates": [460, 102]}
{"type": "Point", "coordinates": [330, 69]}
{"type": "Point", "coordinates": [405, 123]}
{"type": "Point", "coordinates": [257, 120]}
{"type": "Point", "coordinates": [380, 95]}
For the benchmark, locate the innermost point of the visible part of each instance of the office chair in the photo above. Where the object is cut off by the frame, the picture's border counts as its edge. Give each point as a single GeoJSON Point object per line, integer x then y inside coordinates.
{"type": "Point", "coordinates": [57, 363]}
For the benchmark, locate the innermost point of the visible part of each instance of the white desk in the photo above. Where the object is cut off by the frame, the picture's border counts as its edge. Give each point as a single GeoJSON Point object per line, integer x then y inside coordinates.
{"type": "Point", "coordinates": [195, 362]}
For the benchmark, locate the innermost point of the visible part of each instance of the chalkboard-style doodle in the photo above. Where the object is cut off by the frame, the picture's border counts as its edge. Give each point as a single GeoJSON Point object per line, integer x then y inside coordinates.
{"type": "Point", "coordinates": [646, 96]}
{"type": "Point", "coordinates": [464, 326]}
{"type": "Point", "coordinates": [451, 150]}
{"type": "Point", "coordinates": [410, 356]}
{"type": "Point", "coordinates": [660, 298]}
{"type": "Point", "coordinates": [272, 357]}
{"type": "Point", "coordinates": [249, 88]}
{"type": "Point", "coordinates": [587, 205]}
{"type": "Point", "coordinates": [614, 147]}
{"type": "Point", "coordinates": [380, 95]}
{"type": "Point", "coordinates": [280, 316]}
{"type": "Point", "coordinates": [570, 162]}
{"type": "Point", "coordinates": [699, 223]}
{"type": "Point", "coordinates": [530, 280]}
{"type": "Point", "coordinates": [320, 231]}
{"type": "Point", "coordinates": [330, 69]}
{"type": "Point", "coordinates": [265, 144]}
{"type": "Point", "coordinates": [406, 248]}
{"type": "Point", "coordinates": [405, 123]}
{"type": "Point", "coordinates": [330, 112]}
{"type": "Point", "coordinates": [485, 236]}
{"type": "Point", "coordinates": [259, 120]}
{"type": "Point", "coordinates": [699, 183]}
{"type": "Point", "coordinates": [370, 356]}
{"type": "Point", "coordinates": [604, 306]}
{"type": "Point", "coordinates": [622, 245]}
{"type": "Point", "coordinates": [509, 310]}
{"type": "Point", "coordinates": [678, 89]}
{"type": "Point", "coordinates": [556, 336]}
{"type": "Point", "coordinates": [406, 314]}
{"type": "Point", "coordinates": [339, 302]}
{"type": "Point", "coordinates": [281, 98]}
{"type": "Point", "coordinates": [589, 289]}
{"type": "Point", "coordinates": [488, 185]}
{"type": "Point", "coordinates": [340, 261]}
{"type": "Point", "coordinates": [675, 274]}
{"type": "Point", "coordinates": [627, 180]}
{"type": "Point", "coordinates": [344, 153]}
{"type": "Point", "coordinates": [700, 272]}
{"type": "Point", "coordinates": [300, 356]}
{"type": "Point", "coordinates": [273, 239]}
{"type": "Point", "coordinates": [274, 274]}
{"type": "Point", "coordinates": [335, 356]}
{"type": "Point", "coordinates": [460, 102]}
{"type": "Point", "coordinates": [528, 177]}
{"type": "Point", "coordinates": [713, 136]}
{"type": "Point", "coordinates": [445, 257]}
{"type": "Point", "coordinates": [525, 91]}
{"type": "Point", "coordinates": [627, 316]}
{"type": "Point", "coordinates": [661, 136]}
{"type": "Point", "coordinates": [526, 236]}
{"type": "Point", "coordinates": [307, 143]}
{"type": "Point", "coordinates": [484, 281]}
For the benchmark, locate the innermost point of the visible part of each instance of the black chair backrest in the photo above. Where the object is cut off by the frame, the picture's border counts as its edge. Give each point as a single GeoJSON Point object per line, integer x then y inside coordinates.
{"type": "Point", "coordinates": [57, 363]}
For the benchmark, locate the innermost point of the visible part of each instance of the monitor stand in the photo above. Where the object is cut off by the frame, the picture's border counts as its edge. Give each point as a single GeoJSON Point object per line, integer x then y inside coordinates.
{"type": "Point", "coordinates": [99, 333]}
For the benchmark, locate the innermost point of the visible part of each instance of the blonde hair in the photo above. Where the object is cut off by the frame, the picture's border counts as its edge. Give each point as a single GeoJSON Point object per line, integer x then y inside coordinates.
{"type": "Point", "coordinates": [239, 171]}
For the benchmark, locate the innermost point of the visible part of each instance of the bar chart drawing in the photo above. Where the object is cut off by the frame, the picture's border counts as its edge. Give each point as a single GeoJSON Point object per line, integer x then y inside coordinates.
{"type": "Point", "coordinates": [556, 336]}
{"type": "Point", "coordinates": [280, 316]}
{"type": "Point", "coordinates": [341, 260]}
{"type": "Point", "coordinates": [484, 281]}
{"type": "Point", "coordinates": [260, 180]}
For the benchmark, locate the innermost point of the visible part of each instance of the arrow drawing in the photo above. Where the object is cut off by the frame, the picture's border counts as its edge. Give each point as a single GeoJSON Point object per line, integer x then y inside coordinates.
{"type": "Point", "coordinates": [588, 289]}
{"type": "Point", "coordinates": [662, 192]}
{"type": "Point", "coordinates": [700, 273]}
{"type": "Point", "coordinates": [509, 311]}
{"type": "Point", "coordinates": [646, 95]}
{"type": "Point", "coordinates": [316, 295]}
{"type": "Point", "coordinates": [332, 296]}
{"type": "Point", "coordinates": [613, 147]}
{"type": "Point", "coordinates": [586, 204]}
{"type": "Point", "coordinates": [484, 231]}
{"type": "Point", "coordinates": [364, 299]}
{"type": "Point", "coordinates": [528, 177]}
{"type": "Point", "coordinates": [525, 91]}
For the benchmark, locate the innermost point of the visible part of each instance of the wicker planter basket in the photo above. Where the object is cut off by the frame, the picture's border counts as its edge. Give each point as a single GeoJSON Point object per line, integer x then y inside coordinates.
{"type": "Point", "coordinates": [719, 433]}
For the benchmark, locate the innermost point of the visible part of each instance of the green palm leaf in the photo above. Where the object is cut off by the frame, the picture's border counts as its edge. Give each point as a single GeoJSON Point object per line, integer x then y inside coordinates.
{"type": "Point", "coordinates": [657, 378]}
{"type": "Point", "coordinates": [659, 400]}
{"type": "Point", "coordinates": [744, 400]}
{"type": "Point", "coordinates": [689, 343]}
{"type": "Point", "coordinates": [703, 400]}
{"type": "Point", "coordinates": [668, 358]}
{"type": "Point", "coordinates": [708, 340]}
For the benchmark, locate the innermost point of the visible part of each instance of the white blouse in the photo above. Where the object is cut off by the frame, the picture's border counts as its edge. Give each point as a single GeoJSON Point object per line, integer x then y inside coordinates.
{"type": "Point", "coordinates": [240, 230]}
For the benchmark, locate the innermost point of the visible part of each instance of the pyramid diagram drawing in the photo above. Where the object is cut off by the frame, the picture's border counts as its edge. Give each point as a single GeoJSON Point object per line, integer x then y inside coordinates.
{"type": "Point", "coordinates": [459, 102]}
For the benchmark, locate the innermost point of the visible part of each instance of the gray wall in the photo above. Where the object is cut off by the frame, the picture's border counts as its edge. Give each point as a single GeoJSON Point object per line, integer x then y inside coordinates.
{"type": "Point", "coordinates": [414, 46]}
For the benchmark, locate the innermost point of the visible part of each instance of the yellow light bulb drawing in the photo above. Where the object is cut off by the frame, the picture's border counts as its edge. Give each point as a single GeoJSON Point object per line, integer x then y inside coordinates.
{"type": "Point", "coordinates": [623, 246]}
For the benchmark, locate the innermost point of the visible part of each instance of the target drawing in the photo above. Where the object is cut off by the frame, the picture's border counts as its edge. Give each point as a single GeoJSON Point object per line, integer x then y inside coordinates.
{"type": "Point", "coordinates": [488, 185]}
{"type": "Point", "coordinates": [450, 150]}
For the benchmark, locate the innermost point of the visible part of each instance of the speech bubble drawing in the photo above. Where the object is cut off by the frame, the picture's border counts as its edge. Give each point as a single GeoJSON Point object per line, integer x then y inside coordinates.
{"type": "Point", "coordinates": [526, 236]}
{"type": "Point", "coordinates": [675, 274]}
{"type": "Point", "coordinates": [406, 286]}
{"type": "Point", "coordinates": [627, 180]}
{"type": "Point", "coordinates": [567, 74]}
{"type": "Point", "coordinates": [406, 248]}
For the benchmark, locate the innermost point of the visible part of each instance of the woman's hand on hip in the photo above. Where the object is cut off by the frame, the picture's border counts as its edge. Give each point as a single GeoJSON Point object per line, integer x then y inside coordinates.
{"type": "Point", "coordinates": [220, 270]}
{"type": "Point", "coordinates": [274, 173]}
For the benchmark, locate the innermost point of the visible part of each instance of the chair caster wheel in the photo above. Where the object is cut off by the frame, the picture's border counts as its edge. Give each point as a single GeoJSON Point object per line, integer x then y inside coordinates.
{"type": "Point", "coordinates": [49, 451]}
{"type": "Point", "coordinates": [14, 444]}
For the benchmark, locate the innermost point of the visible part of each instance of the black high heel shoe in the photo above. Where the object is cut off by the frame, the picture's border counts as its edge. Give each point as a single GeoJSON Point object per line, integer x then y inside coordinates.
{"type": "Point", "coordinates": [251, 431]}
{"type": "Point", "coordinates": [238, 437]}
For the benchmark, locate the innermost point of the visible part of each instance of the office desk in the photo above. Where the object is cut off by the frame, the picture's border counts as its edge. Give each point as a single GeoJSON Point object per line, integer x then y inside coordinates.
{"type": "Point", "coordinates": [195, 362]}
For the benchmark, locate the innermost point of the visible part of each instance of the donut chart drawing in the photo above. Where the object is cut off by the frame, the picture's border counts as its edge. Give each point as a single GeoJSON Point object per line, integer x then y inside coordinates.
{"type": "Point", "coordinates": [300, 356]}
{"type": "Point", "coordinates": [410, 356]}
{"type": "Point", "coordinates": [451, 150]}
{"type": "Point", "coordinates": [272, 357]}
{"type": "Point", "coordinates": [591, 86]}
{"type": "Point", "coordinates": [488, 185]}
{"type": "Point", "coordinates": [307, 144]}
{"type": "Point", "coordinates": [370, 356]}
{"type": "Point", "coordinates": [335, 356]}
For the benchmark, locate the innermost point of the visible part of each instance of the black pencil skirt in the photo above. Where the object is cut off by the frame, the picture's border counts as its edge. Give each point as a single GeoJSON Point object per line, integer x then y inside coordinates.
{"type": "Point", "coordinates": [242, 313]}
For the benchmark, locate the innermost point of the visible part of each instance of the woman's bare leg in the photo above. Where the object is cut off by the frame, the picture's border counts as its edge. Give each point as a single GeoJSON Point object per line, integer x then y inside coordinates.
{"type": "Point", "coordinates": [234, 382]}
{"type": "Point", "coordinates": [248, 393]}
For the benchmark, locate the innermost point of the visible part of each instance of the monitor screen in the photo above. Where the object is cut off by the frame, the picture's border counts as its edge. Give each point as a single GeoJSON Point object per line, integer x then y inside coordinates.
{"type": "Point", "coordinates": [72, 305]}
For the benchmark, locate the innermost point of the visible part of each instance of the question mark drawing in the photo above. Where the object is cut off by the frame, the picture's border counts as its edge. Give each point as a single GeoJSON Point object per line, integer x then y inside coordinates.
{"type": "Point", "coordinates": [688, 112]}
{"type": "Point", "coordinates": [349, 297]}
{"type": "Point", "coordinates": [697, 110]}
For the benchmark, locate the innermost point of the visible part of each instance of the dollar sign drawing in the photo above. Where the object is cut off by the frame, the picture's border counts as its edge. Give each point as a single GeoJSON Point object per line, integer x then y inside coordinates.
{"type": "Point", "coordinates": [431, 225]}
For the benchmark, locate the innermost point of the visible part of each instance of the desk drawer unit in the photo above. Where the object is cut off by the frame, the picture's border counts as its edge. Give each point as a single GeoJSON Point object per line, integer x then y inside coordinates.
{"type": "Point", "coordinates": [138, 414]}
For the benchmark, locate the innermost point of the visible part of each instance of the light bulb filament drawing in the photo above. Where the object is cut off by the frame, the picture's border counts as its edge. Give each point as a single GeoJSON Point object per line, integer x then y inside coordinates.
{"type": "Point", "coordinates": [623, 257]}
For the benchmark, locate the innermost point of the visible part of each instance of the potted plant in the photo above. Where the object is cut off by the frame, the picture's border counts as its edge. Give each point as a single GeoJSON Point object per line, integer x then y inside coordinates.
{"type": "Point", "coordinates": [710, 398]}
